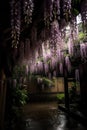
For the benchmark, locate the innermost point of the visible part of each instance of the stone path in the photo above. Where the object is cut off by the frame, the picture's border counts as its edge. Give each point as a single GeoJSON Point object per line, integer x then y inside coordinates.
{"type": "Point", "coordinates": [46, 116]}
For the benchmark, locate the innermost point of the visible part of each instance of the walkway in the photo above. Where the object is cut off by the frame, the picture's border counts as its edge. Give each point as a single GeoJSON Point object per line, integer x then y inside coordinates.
{"type": "Point", "coordinates": [45, 116]}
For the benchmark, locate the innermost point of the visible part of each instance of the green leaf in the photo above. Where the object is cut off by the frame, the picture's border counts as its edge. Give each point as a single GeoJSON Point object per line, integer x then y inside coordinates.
{"type": "Point", "coordinates": [75, 11]}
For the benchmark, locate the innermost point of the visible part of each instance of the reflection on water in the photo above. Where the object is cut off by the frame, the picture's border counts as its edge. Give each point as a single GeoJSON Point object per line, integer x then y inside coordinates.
{"type": "Point", "coordinates": [49, 119]}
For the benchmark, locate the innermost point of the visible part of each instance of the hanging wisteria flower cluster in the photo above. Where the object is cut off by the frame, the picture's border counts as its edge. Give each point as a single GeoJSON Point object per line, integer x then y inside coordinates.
{"type": "Point", "coordinates": [55, 38]}
{"type": "Point", "coordinates": [16, 18]}
{"type": "Point", "coordinates": [67, 9]}
{"type": "Point", "coordinates": [43, 59]}
{"type": "Point", "coordinates": [51, 11]}
{"type": "Point", "coordinates": [73, 28]}
{"type": "Point", "coordinates": [15, 22]}
{"type": "Point", "coordinates": [70, 46]}
{"type": "Point", "coordinates": [48, 12]}
{"type": "Point", "coordinates": [48, 57]}
{"type": "Point", "coordinates": [38, 63]}
{"type": "Point", "coordinates": [28, 10]}
{"type": "Point", "coordinates": [77, 77]}
{"type": "Point", "coordinates": [83, 50]}
{"type": "Point", "coordinates": [56, 9]}
{"type": "Point", "coordinates": [84, 15]}
{"type": "Point", "coordinates": [68, 63]}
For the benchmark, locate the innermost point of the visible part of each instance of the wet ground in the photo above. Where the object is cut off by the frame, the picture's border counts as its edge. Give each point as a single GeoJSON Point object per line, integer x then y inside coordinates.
{"type": "Point", "coordinates": [47, 116]}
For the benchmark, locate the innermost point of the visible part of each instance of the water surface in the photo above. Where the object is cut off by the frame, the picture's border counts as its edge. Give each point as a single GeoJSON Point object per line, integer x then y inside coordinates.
{"type": "Point", "coordinates": [47, 116]}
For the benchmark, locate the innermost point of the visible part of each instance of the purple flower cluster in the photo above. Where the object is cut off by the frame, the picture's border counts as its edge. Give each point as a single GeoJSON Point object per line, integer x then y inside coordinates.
{"type": "Point", "coordinates": [83, 50]}
{"type": "Point", "coordinates": [15, 22]}
{"type": "Point", "coordinates": [28, 10]}
{"type": "Point", "coordinates": [16, 13]}
{"type": "Point", "coordinates": [67, 9]}
{"type": "Point", "coordinates": [51, 11]}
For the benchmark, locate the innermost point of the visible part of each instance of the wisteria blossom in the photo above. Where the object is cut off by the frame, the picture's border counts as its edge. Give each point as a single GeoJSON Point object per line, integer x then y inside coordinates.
{"type": "Point", "coordinates": [84, 14]}
{"type": "Point", "coordinates": [83, 50]}
{"type": "Point", "coordinates": [68, 63]}
{"type": "Point", "coordinates": [15, 22]}
{"type": "Point", "coordinates": [77, 75]}
{"type": "Point", "coordinates": [55, 38]}
{"type": "Point", "coordinates": [28, 10]}
{"type": "Point", "coordinates": [54, 73]}
{"type": "Point", "coordinates": [48, 53]}
{"type": "Point", "coordinates": [53, 62]}
{"type": "Point", "coordinates": [70, 46]}
{"type": "Point", "coordinates": [61, 68]}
